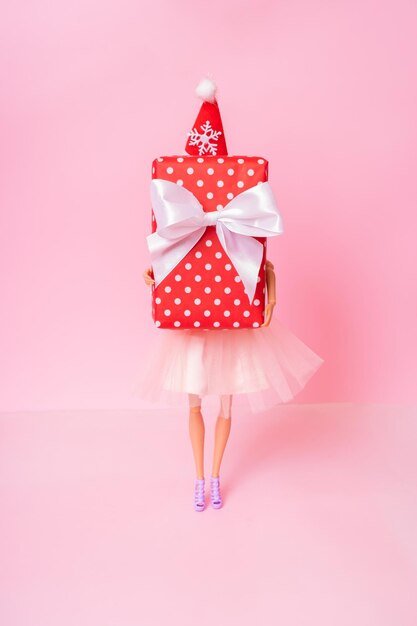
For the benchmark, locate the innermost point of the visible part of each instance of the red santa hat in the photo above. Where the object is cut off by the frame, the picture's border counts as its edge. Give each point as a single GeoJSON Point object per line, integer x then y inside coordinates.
{"type": "Point", "coordinates": [207, 136]}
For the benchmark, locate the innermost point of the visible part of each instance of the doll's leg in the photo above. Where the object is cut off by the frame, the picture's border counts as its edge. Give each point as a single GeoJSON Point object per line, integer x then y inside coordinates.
{"type": "Point", "coordinates": [222, 430]}
{"type": "Point", "coordinates": [197, 430]}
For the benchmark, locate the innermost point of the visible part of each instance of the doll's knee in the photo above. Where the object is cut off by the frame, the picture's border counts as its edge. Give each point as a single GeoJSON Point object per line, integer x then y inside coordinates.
{"type": "Point", "coordinates": [226, 406]}
{"type": "Point", "coordinates": [194, 402]}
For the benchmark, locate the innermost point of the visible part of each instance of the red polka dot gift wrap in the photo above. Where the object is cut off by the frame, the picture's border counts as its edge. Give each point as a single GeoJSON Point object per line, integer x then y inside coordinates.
{"type": "Point", "coordinates": [204, 290]}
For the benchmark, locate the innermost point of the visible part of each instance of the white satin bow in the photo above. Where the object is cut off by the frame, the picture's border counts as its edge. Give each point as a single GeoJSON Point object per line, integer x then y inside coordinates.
{"type": "Point", "coordinates": [181, 222]}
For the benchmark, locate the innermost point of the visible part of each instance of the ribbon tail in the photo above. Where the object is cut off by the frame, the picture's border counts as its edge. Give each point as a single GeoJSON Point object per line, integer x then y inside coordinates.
{"type": "Point", "coordinates": [246, 255]}
{"type": "Point", "coordinates": [167, 253]}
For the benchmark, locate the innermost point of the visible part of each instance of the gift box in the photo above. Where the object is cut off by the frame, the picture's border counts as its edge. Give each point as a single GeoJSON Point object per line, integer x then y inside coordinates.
{"type": "Point", "coordinates": [211, 216]}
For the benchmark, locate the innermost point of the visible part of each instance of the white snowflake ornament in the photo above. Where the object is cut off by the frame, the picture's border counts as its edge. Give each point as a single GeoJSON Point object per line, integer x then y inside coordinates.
{"type": "Point", "coordinates": [206, 140]}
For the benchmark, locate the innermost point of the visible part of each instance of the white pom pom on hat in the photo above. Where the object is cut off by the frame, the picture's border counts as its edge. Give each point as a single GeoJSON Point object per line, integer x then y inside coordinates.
{"type": "Point", "coordinates": [206, 89]}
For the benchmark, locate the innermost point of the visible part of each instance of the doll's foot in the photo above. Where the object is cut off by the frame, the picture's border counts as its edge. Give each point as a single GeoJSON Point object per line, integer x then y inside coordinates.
{"type": "Point", "coordinates": [215, 496]}
{"type": "Point", "coordinates": [199, 499]}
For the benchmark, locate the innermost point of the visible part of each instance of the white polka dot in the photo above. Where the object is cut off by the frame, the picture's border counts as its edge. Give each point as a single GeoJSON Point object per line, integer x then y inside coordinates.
{"type": "Point", "coordinates": [241, 160]}
{"type": "Point", "coordinates": [158, 300]}
{"type": "Point", "coordinates": [256, 302]}
{"type": "Point", "coordinates": [187, 312]}
{"type": "Point", "coordinates": [209, 243]}
{"type": "Point", "coordinates": [230, 171]}
{"type": "Point", "coordinates": [167, 288]}
{"type": "Point", "coordinates": [217, 278]}
{"type": "Point", "coordinates": [197, 301]}
{"type": "Point", "coordinates": [251, 172]}
{"type": "Point", "coordinates": [153, 170]}
{"type": "Point", "coordinates": [207, 289]}
{"type": "Point", "coordinates": [217, 301]}
{"type": "Point", "coordinates": [210, 195]}
{"type": "Point", "coordinates": [167, 312]}
{"type": "Point", "coordinates": [208, 266]}
{"type": "Point", "coordinates": [220, 183]}
{"type": "Point", "coordinates": [177, 323]}
{"type": "Point", "coordinates": [160, 159]}
{"type": "Point", "coordinates": [258, 280]}
{"type": "Point", "coordinates": [207, 313]}
{"type": "Point", "coordinates": [196, 323]}
{"type": "Point", "coordinates": [197, 278]}
{"type": "Point", "coordinates": [236, 324]}
{"type": "Point", "coordinates": [226, 313]}
{"type": "Point", "coordinates": [220, 160]}
{"type": "Point", "coordinates": [246, 313]}
{"type": "Point", "coordinates": [188, 266]}
{"type": "Point", "coordinates": [228, 266]}
{"type": "Point", "coordinates": [178, 277]}
{"type": "Point", "coordinates": [227, 290]}
{"type": "Point", "coordinates": [180, 182]}
{"type": "Point", "coordinates": [236, 301]}
{"type": "Point", "coordinates": [261, 161]}
{"type": "Point", "coordinates": [229, 195]}
{"type": "Point", "coordinates": [237, 279]}
{"type": "Point", "coordinates": [240, 183]}
{"type": "Point", "coordinates": [259, 183]}
{"type": "Point", "coordinates": [177, 300]}
{"type": "Point", "coordinates": [216, 324]}
{"type": "Point", "coordinates": [180, 159]}
{"type": "Point", "coordinates": [187, 289]}
{"type": "Point", "coordinates": [218, 255]}
{"type": "Point", "coordinates": [200, 183]}
{"type": "Point", "coordinates": [219, 207]}
{"type": "Point", "coordinates": [210, 171]}
{"type": "Point", "coordinates": [200, 160]}
{"type": "Point", "coordinates": [255, 324]}
{"type": "Point", "coordinates": [157, 323]}
{"type": "Point", "coordinates": [170, 170]}
{"type": "Point", "coordinates": [190, 170]}
{"type": "Point", "coordinates": [198, 254]}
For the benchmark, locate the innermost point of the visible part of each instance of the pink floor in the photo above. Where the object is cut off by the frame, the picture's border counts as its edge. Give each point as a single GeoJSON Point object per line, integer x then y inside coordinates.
{"type": "Point", "coordinates": [318, 528]}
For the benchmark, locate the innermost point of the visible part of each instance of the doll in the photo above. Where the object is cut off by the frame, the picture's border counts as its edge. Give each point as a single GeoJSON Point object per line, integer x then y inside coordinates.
{"type": "Point", "coordinates": [264, 364]}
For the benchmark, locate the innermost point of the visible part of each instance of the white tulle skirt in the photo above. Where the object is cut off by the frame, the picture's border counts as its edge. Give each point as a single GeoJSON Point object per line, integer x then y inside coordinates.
{"type": "Point", "coordinates": [265, 366]}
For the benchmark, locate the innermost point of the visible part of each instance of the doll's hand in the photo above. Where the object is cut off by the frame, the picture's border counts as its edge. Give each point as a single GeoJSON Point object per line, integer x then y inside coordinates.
{"type": "Point", "coordinates": [269, 309]}
{"type": "Point", "coordinates": [147, 275]}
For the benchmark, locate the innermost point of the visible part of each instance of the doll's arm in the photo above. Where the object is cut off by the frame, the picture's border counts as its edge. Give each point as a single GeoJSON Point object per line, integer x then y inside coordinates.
{"type": "Point", "coordinates": [270, 282]}
{"type": "Point", "coordinates": [147, 275]}
{"type": "Point", "coordinates": [271, 289]}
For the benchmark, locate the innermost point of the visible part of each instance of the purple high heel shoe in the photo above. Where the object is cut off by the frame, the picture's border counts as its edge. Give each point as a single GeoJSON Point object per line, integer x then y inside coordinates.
{"type": "Point", "coordinates": [199, 495]}
{"type": "Point", "coordinates": [215, 496]}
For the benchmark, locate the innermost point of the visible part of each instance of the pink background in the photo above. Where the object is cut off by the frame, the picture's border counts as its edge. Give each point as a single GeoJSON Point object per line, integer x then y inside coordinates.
{"type": "Point", "coordinates": [96, 525]}
{"type": "Point", "coordinates": [93, 91]}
